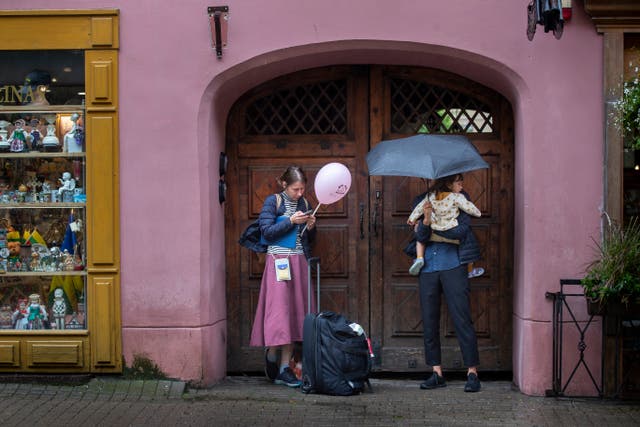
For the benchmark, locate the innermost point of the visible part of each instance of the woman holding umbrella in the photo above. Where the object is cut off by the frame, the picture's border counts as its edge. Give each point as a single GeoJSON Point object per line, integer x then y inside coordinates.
{"type": "Point", "coordinates": [443, 158]}
{"type": "Point", "coordinates": [445, 272]}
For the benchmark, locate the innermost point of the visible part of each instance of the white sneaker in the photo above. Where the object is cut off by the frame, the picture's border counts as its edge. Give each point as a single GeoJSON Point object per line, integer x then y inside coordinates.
{"type": "Point", "coordinates": [417, 265]}
{"type": "Point", "coordinates": [478, 271]}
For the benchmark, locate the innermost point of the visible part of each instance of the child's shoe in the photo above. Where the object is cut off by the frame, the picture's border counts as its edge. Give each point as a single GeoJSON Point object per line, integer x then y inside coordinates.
{"type": "Point", "coordinates": [478, 271]}
{"type": "Point", "coordinates": [417, 265]}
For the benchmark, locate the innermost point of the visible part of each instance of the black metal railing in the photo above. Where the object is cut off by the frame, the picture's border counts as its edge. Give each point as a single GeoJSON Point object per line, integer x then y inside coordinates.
{"type": "Point", "coordinates": [565, 302]}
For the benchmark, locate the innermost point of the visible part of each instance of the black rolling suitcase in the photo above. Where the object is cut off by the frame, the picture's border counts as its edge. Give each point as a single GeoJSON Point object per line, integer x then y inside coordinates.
{"type": "Point", "coordinates": [336, 354]}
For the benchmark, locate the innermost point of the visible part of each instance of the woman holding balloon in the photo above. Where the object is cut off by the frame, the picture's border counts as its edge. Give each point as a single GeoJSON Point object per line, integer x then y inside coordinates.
{"type": "Point", "coordinates": [288, 225]}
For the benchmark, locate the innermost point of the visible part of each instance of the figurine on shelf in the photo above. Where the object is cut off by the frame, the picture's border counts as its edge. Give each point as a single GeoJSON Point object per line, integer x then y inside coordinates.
{"type": "Point", "coordinates": [4, 143]}
{"type": "Point", "coordinates": [36, 135]}
{"type": "Point", "coordinates": [59, 308]}
{"type": "Point", "coordinates": [19, 317]}
{"type": "Point", "coordinates": [19, 137]}
{"type": "Point", "coordinates": [68, 262]}
{"type": "Point", "coordinates": [37, 315]}
{"type": "Point", "coordinates": [72, 142]}
{"type": "Point", "coordinates": [68, 185]}
{"type": "Point", "coordinates": [34, 265]}
{"type": "Point", "coordinates": [50, 141]}
{"type": "Point", "coordinates": [6, 313]}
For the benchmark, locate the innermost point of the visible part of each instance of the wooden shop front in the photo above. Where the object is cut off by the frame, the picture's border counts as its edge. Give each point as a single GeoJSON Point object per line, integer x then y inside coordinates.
{"type": "Point", "coordinates": [59, 224]}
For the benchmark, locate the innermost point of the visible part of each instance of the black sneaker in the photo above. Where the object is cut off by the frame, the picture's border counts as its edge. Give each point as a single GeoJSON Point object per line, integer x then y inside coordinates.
{"type": "Point", "coordinates": [270, 368]}
{"type": "Point", "coordinates": [473, 383]}
{"type": "Point", "coordinates": [434, 381]}
{"type": "Point", "coordinates": [288, 378]}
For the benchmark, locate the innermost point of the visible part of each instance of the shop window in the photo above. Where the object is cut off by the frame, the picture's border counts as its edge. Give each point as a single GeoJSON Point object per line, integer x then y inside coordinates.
{"type": "Point", "coordinates": [42, 191]}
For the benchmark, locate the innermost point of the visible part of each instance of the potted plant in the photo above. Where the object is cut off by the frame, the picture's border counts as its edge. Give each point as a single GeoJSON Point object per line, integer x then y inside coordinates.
{"type": "Point", "coordinates": [612, 280]}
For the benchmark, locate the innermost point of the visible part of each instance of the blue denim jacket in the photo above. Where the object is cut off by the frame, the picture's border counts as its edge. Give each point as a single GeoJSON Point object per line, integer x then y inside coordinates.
{"type": "Point", "coordinates": [438, 256]}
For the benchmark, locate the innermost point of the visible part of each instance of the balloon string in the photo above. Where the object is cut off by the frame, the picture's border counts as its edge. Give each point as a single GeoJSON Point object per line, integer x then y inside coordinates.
{"type": "Point", "coordinates": [314, 212]}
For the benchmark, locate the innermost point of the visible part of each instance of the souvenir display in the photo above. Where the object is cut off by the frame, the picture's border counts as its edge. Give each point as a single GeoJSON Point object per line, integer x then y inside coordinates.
{"type": "Point", "coordinates": [42, 219]}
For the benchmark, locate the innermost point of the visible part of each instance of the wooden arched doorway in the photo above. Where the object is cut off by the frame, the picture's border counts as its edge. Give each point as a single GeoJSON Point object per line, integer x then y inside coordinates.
{"type": "Point", "coordinates": [337, 113]}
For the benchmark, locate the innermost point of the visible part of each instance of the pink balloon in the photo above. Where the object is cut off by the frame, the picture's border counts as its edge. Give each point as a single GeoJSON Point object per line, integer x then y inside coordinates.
{"type": "Point", "coordinates": [332, 183]}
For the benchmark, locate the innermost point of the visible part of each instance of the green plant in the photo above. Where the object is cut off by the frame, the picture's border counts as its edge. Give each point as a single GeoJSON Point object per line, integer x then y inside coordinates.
{"type": "Point", "coordinates": [143, 368]}
{"type": "Point", "coordinates": [628, 109]}
{"type": "Point", "coordinates": [615, 274]}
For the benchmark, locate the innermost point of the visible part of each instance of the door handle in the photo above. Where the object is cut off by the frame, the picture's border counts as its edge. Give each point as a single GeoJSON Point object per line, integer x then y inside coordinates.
{"type": "Point", "coordinates": [375, 214]}
{"type": "Point", "coordinates": [361, 220]}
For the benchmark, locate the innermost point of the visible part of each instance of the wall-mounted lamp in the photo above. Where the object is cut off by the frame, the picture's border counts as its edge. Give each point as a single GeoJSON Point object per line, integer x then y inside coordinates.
{"type": "Point", "coordinates": [548, 13]}
{"type": "Point", "coordinates": [218, 24]}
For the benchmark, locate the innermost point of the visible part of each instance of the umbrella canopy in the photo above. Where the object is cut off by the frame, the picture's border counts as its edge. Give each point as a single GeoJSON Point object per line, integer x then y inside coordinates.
{"type": "Point", "coordinates": [425, 156]}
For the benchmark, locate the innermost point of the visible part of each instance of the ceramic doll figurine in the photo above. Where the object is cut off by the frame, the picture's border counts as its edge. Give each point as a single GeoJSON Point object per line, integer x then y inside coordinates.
{"type": "Point", "coordinates": [72, 142]}
{"type": "Point", "coordinates": [36, 135]}
{"type": "Point", "coordinates": [6, 313]}
{"type": "Point", "coordinates": [34, 264]}
{"type": "Point", "coordinates": [19, 317]}
{"type": "Point", "coordinates": [19, 137]}
{"type": "Point", "coordinates": [59, 308]}
{"type": "Point", "coordinates": [36, 313]}
{"type": "Point", "coordinates": [68, 261]}
{"type": "Point", "coordinates": [68, 183]}
{"type": "Point", "coordinates": [4, 143]}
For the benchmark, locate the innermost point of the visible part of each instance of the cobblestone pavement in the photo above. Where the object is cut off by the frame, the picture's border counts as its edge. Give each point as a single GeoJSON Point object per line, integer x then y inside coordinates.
{"type": "Point", "coordinates": [244, 401]}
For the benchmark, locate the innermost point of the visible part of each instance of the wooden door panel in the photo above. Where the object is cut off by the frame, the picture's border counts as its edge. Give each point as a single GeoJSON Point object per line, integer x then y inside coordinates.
{"type": "Point", "coordinates": [267, 135]}
{"type": "Point", "coordinates": [400, 327]}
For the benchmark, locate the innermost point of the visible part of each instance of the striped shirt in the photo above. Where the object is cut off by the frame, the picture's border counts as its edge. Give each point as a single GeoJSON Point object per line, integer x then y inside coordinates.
{"type": "Point", "coordinates": [290, 208]}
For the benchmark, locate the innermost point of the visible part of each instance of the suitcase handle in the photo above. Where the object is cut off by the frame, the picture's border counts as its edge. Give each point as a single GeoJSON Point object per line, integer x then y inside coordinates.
{"type": "Point", "coordinates": [313, 261]}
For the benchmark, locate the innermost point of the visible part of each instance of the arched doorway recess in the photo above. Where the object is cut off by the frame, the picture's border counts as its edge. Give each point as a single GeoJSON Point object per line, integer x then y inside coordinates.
{"type": "Point", "coordinates": [337, 113]}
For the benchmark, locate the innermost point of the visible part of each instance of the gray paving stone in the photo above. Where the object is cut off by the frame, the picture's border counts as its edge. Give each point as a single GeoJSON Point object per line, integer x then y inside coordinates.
{"type": "Point", "coordinates": [254, 401]}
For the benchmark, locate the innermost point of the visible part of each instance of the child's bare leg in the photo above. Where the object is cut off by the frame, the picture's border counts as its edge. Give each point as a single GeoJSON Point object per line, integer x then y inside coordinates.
{"type": "Point", "coordinates": [420, 250]}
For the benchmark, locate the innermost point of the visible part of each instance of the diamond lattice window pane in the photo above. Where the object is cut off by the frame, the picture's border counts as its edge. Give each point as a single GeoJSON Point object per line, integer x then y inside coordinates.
{"type": "Point", "coordinates": [418, 107]}
{"type": "Point", "coordinates": [314, 109]}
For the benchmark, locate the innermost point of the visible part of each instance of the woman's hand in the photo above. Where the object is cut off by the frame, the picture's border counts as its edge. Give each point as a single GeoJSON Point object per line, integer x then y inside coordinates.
{"type": "Point", "coordinates": [298, 218]}
{"type": "Point", "coordinates": [311, 222]}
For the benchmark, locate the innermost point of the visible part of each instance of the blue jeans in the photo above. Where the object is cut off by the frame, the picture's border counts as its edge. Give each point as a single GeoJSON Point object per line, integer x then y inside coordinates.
{"type": "Point", "coordinates": [455, 286]}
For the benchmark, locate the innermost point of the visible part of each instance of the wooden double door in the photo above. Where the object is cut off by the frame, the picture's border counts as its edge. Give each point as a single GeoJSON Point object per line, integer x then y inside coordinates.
{"type": "Point", "coordinates": [337, 114]}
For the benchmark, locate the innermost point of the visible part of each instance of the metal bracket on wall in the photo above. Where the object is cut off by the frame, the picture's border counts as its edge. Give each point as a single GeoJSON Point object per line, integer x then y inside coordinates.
{"type": "Point", "coordinates": [218, 23]}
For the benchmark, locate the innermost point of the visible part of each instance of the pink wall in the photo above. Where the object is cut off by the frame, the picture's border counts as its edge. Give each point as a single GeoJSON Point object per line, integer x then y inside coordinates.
{"type": "Point", "coordinates": [175, 95]}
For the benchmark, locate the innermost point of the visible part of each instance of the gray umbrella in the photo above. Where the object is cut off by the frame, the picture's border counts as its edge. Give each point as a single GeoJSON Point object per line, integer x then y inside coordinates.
{"type": "Point", "coordinates": [425, 156]}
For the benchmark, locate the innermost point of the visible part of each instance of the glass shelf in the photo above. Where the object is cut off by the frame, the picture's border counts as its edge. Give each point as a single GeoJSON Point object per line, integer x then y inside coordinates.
{"type": "Point", "coordinates": [41, 109]}
{"type": "Point", "coordinates": [39, 155]}
{"type": "Point", "coordinates": [43, 205]}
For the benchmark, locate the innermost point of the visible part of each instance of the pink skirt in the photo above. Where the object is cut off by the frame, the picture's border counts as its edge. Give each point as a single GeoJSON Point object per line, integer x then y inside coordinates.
{"type": "Point", "coordinates": [282, 306]}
